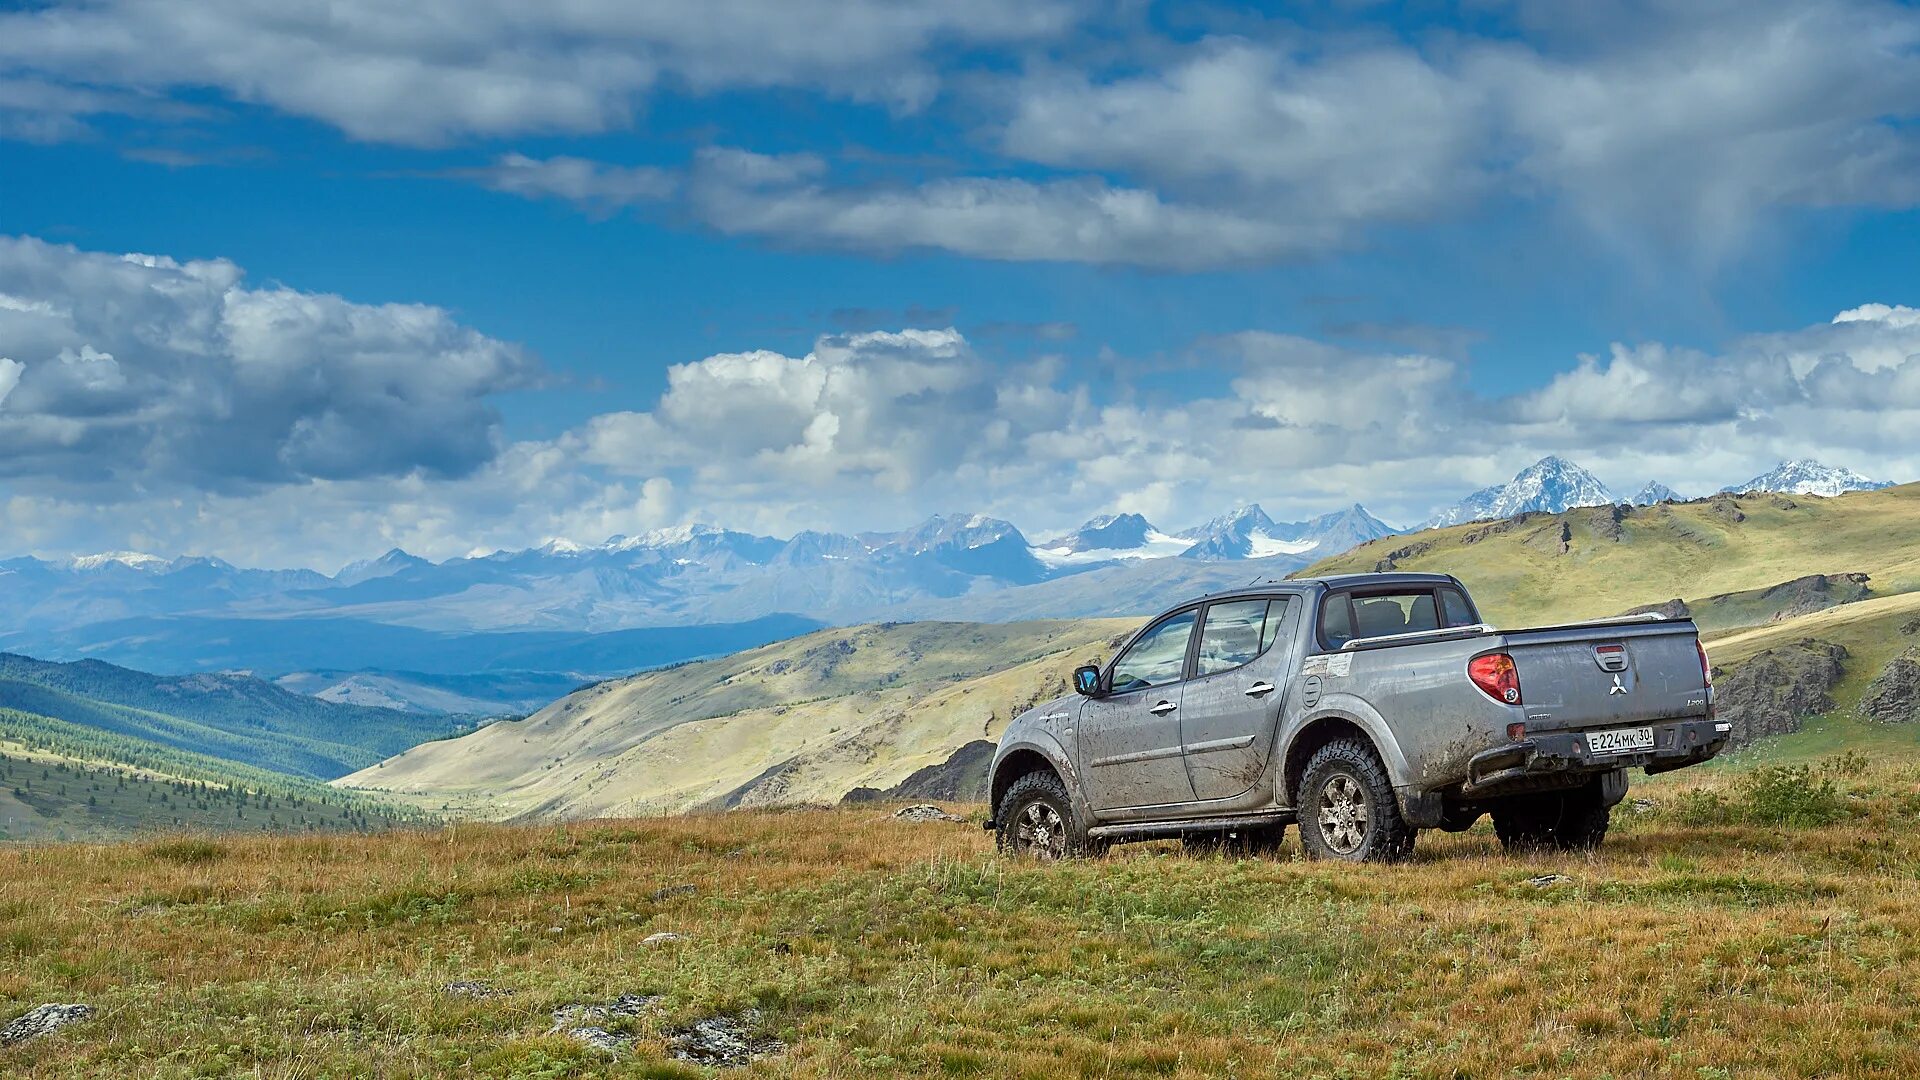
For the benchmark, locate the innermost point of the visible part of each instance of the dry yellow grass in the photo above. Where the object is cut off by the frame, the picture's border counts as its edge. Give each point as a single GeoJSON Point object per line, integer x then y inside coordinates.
{"type": "Point", "coordinates": [881, 948]}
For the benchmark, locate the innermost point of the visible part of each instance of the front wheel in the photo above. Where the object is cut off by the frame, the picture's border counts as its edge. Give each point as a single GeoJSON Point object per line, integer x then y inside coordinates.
{"type": "Point", "coordinates": [1036, 819]}
{"type": "Point", "coordinates": [1346, 807]}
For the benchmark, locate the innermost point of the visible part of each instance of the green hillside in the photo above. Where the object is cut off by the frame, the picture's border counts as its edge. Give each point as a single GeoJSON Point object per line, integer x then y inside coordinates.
{"type": "Point", "coordinates": [67, 781]}
{"type": "Point", "coordinates": [234, 717]}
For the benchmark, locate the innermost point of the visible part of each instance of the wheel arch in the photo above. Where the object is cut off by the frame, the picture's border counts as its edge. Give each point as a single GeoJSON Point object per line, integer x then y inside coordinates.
{"type": "Point", "coordinates": [1014, 762]}
{"type": "Point", "coordinates": [1324, 728]}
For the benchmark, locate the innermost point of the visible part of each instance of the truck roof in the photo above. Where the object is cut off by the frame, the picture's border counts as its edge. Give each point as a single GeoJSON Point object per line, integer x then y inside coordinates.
{"type": "Point", "coordinates": [1343, 581]}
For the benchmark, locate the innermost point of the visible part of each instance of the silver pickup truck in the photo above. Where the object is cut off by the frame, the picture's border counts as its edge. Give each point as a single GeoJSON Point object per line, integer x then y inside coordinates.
{"type": "Point", "coordinates": [1363, 708]}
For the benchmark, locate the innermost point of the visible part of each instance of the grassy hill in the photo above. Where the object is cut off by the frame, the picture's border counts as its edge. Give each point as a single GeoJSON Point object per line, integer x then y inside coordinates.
{"type": "Point", "coordinates": [67, 781]}
{"type": "Point", "coordinates": [804, 720]}
{"type": "Point", "coordinates": [1599, 561]}
{"type": "Point", "coordinates": [1692, 946]}
{"type": "Point", "coordinates": [234, 717]}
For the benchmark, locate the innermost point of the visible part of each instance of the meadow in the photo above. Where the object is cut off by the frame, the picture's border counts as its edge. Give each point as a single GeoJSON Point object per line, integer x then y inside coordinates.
{"type": "Point", "coordinates": [1739, 922]}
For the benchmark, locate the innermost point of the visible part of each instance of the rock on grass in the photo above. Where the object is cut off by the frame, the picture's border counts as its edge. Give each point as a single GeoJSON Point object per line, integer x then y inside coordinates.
{"type": "Point", "coordinates": [726, 1041]}
{"type": "Point", "coordinates": [926, 813]}
{"type": "Point", "coordinates": [43, 1020]}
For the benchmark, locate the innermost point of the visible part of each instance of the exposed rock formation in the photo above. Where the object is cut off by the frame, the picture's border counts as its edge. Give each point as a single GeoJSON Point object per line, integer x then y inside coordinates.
{"type": "Point", "coordinates": [1894, 695]}
{"type": "Point", "coordinates": [1772, 693]}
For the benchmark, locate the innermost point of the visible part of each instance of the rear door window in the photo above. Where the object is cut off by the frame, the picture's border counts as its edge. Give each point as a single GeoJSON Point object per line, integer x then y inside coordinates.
{"type": "Point", "coordinates": [1237, 632]}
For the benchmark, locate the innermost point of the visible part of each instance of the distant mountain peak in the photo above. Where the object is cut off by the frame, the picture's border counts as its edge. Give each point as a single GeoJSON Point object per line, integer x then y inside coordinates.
{"type": "Point", "coordinates": [1805, 476]}
{"type": "Point", "coordinates": [133, 560]}
{"type": "Point", "coordinates": [1653, 491]}
{"type": "Point", "coordinates": [1552, 484]}
{"type": "Point", "coordinates": [1110, 538]}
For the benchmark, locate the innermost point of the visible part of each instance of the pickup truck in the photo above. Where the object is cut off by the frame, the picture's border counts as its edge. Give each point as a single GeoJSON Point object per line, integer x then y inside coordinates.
{"type": "Point", "coordinates": [1362, 708]}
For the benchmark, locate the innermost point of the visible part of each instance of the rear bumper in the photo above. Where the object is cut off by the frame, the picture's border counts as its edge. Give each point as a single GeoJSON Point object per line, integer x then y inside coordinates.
{"type": "Point", "coordinates": [1676, 744]}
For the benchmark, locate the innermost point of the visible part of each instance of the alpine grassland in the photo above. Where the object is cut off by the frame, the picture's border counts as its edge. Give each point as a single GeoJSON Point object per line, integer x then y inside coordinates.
{"type": "Point", "coordinates": [1738, 922]}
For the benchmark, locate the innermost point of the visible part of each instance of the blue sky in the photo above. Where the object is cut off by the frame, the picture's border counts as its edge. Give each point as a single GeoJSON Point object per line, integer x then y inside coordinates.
{"type": "Point", "coordinates": [1374, 241]}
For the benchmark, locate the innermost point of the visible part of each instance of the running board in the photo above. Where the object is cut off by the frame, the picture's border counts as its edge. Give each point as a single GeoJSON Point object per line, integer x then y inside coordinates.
{"type": "Point", "coordinates": [1174, 828]}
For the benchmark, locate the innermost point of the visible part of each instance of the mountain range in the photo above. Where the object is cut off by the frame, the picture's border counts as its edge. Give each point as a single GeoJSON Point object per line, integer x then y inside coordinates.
{"type": "Point", "coordinates": [501, 632]}
{"type": "Point", "coordinates": [1554, 485]}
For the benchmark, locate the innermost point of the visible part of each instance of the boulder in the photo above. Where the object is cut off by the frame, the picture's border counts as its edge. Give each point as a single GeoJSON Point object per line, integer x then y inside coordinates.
{"type": "Point", "coordinates": [926, 813]}
{"type": "Point", "coordinates": [42, 1020]}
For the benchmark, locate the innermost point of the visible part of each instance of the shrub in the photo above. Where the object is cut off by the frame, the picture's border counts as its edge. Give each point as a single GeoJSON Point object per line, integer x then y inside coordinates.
{"type": "Point", "coordinates": [1849, 764]}
{"type": "Point", "coordinates": [1790, 795]}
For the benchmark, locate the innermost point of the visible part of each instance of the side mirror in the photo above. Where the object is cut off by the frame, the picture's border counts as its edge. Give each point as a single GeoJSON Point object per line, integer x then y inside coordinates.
{"type": "Point", "coordinates": [1086, 680]}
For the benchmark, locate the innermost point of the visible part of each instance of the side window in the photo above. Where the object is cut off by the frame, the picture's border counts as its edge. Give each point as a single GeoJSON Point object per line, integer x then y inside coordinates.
{"type": "Point", "coordinates": [1157, 658]}
{"type": "Point", "coordinates": [1456, 610]}
{"type": "Point", "coordinates": [1276, 614]}
{"type": "Point", "coordinates": [1347, 617]}
{"type": "Point", "coordinates": [1235, 634]}
{"type": "Point", "coordinates": [1336, 620]}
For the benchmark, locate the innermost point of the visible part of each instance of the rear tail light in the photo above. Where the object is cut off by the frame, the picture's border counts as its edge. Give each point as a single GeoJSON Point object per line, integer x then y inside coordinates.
{"type": "Point", "coordinates": [1496, 675]}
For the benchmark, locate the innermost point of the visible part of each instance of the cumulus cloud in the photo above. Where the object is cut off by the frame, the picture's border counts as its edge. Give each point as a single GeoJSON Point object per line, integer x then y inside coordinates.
{"type": "Point", "coordinates": [146, 371]}
{"type": "Point", "coordinates": [428, 72]}
{"type": "Point", "coordinates": [152, 403]}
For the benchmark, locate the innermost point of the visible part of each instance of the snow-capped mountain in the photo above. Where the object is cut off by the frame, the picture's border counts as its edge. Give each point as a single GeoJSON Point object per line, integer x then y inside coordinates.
{"type": "Point", "coordinates": [1110, 538]}
{"type": "Point", "coordinates": [393, 562]}
{"type": "Point", "coordinates": [1247, 532]}
{"type": "Point", "coordinates": [1654, 492]}
{"type": "Point", "coordinates": [1551, 484]}
{"type": "Point", "coordinates": [1804, 476]}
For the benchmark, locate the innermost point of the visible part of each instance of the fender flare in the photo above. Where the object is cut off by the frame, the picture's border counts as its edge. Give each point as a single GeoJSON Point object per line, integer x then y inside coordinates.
{"type": "Point", "coordinates": [1050, 750]}
{"type": "Point", "coordinates": [1353, 710]}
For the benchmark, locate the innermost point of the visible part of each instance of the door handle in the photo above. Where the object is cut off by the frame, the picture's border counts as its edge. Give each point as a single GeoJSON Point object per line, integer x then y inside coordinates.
{"type": "Point", "coordinates": [1259, 688]}
{"type": "Point", "coordinates": [1163, 708]}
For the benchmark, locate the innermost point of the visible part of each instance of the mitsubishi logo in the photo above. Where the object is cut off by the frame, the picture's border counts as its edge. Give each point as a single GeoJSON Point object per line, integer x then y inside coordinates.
{"type": "Point", "coordinates": [1617, 688]}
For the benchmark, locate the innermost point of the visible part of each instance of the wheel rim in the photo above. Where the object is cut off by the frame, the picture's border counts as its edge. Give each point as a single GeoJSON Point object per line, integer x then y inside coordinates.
{"type": "Point", "coordinates": [1343, 814]}
{"type": "Point", "coordinates": [1041, 832]}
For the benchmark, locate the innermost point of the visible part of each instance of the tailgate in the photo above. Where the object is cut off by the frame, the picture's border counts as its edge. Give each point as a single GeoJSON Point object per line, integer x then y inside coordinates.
{"type": "Point", "coordinates": [1607, 674]}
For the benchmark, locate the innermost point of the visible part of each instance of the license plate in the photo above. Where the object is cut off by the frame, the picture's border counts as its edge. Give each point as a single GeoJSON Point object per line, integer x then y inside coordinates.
{"type": "Point", "coordinates": [1624, 740]}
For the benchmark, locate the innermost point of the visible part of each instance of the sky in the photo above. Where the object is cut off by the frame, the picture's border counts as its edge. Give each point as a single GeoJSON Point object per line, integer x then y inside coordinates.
{"type": "Point", "coordinates": [291, 282]}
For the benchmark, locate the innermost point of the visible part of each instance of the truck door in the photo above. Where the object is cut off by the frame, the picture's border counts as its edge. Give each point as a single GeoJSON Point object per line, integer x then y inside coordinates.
{"type": "Point", "coordinates": [1228, 709]}
{"type": "Point", "coordinates": [1130, 739]}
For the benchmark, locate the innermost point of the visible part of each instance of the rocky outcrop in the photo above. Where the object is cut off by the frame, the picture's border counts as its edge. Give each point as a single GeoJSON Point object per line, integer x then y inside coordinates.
{"type": "Point", "coordinates": [1894, 695]}
{"type": "Point", "coordinates": [1815, 592]}
{"type": "Point", "coordinates": [1776, 690]}
{"type": "Point", "coordinates": [960, 778]}
{"type": "Point", "coordinates": [1672, 609]}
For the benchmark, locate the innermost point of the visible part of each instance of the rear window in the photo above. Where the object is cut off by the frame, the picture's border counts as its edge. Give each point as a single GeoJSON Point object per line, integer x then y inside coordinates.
{"type": "Point", "coordinates": [1346, 616]}
{"type": "Point", "coordinates": [1455, 609]}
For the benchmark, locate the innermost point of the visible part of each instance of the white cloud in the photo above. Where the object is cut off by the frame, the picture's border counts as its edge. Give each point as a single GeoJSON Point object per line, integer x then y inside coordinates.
{"type": "Point", "coordinates": [147, 403]}
{"type": "Point", "coordinates": [590, 184]}
{"type": "Point", "coordinates": [140, 370]}
{"type": "Point", "coordinates": [436, 70]}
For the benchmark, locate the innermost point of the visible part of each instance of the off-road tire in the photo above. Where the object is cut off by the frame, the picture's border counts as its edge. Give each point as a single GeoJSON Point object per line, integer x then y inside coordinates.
{"type": "Point", "coordinates": [1574, 820]}
{"type": "Point", "coordinates": [1038, 802]}
{"type": "Point", "coordinates": [1342, 775]}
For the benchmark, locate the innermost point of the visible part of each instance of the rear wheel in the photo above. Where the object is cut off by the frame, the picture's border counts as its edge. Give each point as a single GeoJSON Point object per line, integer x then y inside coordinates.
{"type": "Point", "coordinates": [1346, 807]}
{"type": "Point", "coordinates": [1574, 820]}
{"type": "Point", "coordinates": [1036, 819]}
